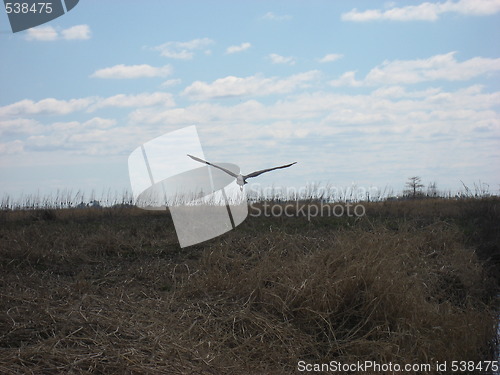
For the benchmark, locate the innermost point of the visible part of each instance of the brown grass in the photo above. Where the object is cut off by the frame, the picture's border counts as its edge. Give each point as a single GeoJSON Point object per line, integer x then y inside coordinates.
{"type": "Point", "coordinates": [110, 292]}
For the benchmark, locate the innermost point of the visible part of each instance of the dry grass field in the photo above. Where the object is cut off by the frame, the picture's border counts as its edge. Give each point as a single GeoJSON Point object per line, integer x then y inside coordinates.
{"type": "Point", "coordinates": [109, 291]}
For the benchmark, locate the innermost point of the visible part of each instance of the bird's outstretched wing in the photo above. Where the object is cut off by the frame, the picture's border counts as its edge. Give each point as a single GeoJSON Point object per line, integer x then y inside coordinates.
{"type": "Point", "coordinates": [255, 174]}
{"type": "Point", "coordinates": [213, 165]}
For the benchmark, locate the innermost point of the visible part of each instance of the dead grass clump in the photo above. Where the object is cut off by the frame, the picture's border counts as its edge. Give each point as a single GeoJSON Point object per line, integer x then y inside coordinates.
{"type": "Point", "coordinates": [353, 296]}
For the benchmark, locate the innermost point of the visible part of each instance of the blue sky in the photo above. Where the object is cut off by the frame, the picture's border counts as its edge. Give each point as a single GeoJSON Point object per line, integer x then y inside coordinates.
{"type": "Point", "coordinates": [358, 92]}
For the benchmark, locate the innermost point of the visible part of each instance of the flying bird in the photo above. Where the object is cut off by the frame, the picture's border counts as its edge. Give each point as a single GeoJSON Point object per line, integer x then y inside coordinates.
{"type": "Point", "coordinates": [241, 179]}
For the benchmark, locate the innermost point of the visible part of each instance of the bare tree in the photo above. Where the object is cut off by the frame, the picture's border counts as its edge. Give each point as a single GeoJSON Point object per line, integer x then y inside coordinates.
{"type": "Point", "coordinates": [414, 186]}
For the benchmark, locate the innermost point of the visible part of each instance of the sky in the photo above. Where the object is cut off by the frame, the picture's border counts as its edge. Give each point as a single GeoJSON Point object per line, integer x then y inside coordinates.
{"type": "Point", "coordinates": [359, 93]}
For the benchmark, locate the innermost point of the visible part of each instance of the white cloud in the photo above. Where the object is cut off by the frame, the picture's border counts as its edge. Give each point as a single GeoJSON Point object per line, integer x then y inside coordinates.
{"type": "Point", "coordinates": [99, 123]}
{"type": "Point", "coordinates": [46, 142]}
{"type": "Point", "coordinates": [426, 11]}
{"type": "Point", "coordinates": [64, 126]}
{"type": "Point", "coordinates": [274, 17]}
{"type": "Point", "coordinates": [42, 33]}
{"type": "Point", "coordinates": [257, 85]}
{"type": "Point", "coordinates": [140, 100]}
{"type": "Point", "coordinates": [19, 126]}
{"type": "Point", "coordinates": [277, 59]}
{"type": "Point", "coordinates": [330, 58]}
{"type": "Point", "coordinates": [286, 130]}
{"type": "Point", "coordinates": [13, 147]}
{"type": "Point", "coordinates": [184, 50]}
{"type": "Point", "coordinates": [122, 71]}
{"type": "Point", "coordinates": [96, 136]}
{"type": "Point", "coordinates": [49, 33]}
{"type": "Point", "coordinates": [75, 126]}
{"type": "Point", "coordinates": [201, 113]}
{"type": "Point", "coordinates": [438, 67]}
{"type": "Point", "coordinates": [347, 79]}
{"type": "Point", "coordinates": [401, 92]}
{"type": "Point", "coordinates": [171, 82]}
{"type": "Point", "coordinates": [49, 106]}
{"type": "Point", "coordinates": [76, 32]}
{"type": "Point", "coordinates": [240, 48]}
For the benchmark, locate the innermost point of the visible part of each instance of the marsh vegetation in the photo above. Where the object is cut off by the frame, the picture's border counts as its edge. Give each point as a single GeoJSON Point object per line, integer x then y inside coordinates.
{"type": "Point", "coordinates": [110, 291]}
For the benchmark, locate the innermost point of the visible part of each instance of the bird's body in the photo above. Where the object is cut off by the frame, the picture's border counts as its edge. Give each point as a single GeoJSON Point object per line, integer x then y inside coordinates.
{"type": "Point", "coordinates": [241, 179]}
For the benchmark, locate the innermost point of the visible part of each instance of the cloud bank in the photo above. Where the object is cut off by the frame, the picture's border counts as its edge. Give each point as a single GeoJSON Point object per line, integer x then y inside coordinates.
{"type": "Point", "coordinates": [425, 11]}
{"type": "Point", "coordinates": [50, 34]}
{"type": "Point", "coordinates": [122, 71]}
